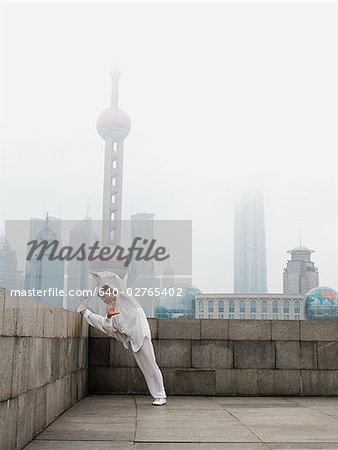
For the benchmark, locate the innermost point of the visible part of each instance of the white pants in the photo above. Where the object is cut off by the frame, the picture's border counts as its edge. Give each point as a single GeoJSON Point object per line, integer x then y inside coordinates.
{"type": "Point", "coordinates": [145, 358]}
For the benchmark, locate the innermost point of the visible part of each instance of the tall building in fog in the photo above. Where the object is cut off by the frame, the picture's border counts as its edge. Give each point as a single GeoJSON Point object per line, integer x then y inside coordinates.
{"type": "Point", "coordinates": [300, 274]}
{"type": "Point", "coordinates": [43, 274]}
{"type": "Point", "coordinates": [8, 265]}
{"type": "Point", "coordinates": [250, 270]}
{"type": "Point", "coordinates": [141, 274]}
{"type": "Point", "coordinates": [77, 271]}
{"type": "Point", "coordinates": [113, 125]}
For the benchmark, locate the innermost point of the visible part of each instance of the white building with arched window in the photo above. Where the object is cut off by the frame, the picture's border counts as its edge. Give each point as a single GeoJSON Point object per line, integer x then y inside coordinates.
{"type": "Point", "coordinates": [237, 306]}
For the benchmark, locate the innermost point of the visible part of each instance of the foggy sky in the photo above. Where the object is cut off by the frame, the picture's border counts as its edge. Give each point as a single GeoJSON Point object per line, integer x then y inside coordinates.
{"type": "Point", "coordinates": [221, 97]}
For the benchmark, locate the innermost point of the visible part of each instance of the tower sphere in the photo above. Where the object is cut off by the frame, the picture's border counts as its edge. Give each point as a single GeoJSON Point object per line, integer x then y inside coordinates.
{"type": "Point", "coordinates": [113, 123]}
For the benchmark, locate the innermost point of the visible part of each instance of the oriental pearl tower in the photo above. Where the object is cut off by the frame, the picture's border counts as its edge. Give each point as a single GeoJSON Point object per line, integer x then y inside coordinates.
{"type": "Point", "coordinates": [113, 125]}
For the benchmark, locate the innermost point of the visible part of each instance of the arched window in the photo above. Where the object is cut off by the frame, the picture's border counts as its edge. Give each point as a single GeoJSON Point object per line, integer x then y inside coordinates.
{"type": "Point", "coordinates": [211, 309]}
{"type": "Point", "coordinates": [231, 309]}
{"type": "Point", "coordinates": [286, 309]}
{"type": "Point", "coordinates": [242, 309]}
{"type": "Point", "coordinates": [201, 309]}
{"type": "Point", "coordinates": [221, 312]}
{"type": "Point", "coordinates": [253, 309]}
{"type": "Point", "coordinates": [296, 308]}
{"type": "Point", "coordinates": [275, 309]}
{"type": "Point", "coordinates": [264, 309]}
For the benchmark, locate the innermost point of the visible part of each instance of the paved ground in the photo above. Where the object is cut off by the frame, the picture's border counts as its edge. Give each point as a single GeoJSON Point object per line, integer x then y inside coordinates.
{"type": "Point", "coordinates": [189, 423]}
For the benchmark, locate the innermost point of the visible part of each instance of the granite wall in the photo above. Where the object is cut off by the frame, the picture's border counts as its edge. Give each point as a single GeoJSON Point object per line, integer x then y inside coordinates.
{"type": "Point", "coordinates": [43, 366]}
{"type": "Point", "coordinates": [225, 357]}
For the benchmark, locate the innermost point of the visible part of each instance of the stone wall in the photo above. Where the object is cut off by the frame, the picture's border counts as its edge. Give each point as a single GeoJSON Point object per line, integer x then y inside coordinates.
{"type": "Point", "coordinates": [225, 357]}
{"type": "Point", "coordinates": [43, 366]}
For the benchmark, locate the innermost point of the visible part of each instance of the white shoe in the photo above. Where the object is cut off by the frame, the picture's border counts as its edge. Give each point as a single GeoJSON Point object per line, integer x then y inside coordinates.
{"type": "Point", "coordinates": [159, 401]}
{"type": "Point", "coordinates": [83, 305]}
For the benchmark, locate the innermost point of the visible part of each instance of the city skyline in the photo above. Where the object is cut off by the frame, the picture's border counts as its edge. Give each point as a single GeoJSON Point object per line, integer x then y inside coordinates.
{"type": "Point", "coordinates": [194, 142]}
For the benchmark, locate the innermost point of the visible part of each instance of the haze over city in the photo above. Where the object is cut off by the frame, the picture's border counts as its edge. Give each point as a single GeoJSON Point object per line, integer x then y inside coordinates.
{"type": "Point", "coordinates": [221, 97]}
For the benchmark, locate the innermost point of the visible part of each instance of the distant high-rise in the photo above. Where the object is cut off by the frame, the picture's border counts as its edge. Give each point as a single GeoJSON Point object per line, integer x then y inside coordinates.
{"type": "Point", "coordinates": [77, 271]}
{"type": "Point", "coordinates": [141, 274]}
{"type": "Point", "coordinates": [250, 270]}
{"type": "Point", "coordinates": [44, 274]}
{"type": "Point", "coordinates": [300, 274]}
{"type": "Point", "coordinates": [8, 265]}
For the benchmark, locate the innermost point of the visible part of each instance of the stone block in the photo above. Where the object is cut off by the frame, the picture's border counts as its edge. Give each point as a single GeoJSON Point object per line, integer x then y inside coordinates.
{"type": "Point", "coordinates": [153, 327]}
{"type": "Point", "coordinates": [66, 389]}
{"type": "Point", "coordinates": [319, 382]}
{"type": "Point", "coordinates": [51, 402]}
{"type": "Point", "coordinates": [25, 424]}
{"type": "Point", "coordinates": [173, 353]}
{"type": "Point", "coordinates": [38, 372]}
{"type": "Point", "coordinates": [83, 353]}
{"type": "Point", "coordinates": [279, 382]}
{"type": "Point", "coordinates": [40, 313]}
{"type": "Point", "coordinates": [179, 328]}
{"type": "Point", "coordinates": [246, 382]}
{"type": "Point", "coordinates": [296, 355]}
{"type": "Point", "coordinates": [225, 381]}
{"type": "Point", "coordinates": [328, 355]}
{"type": "Point", "coordinates": [2, 310]}
{"type": "Point", "coordinates": [285, 330]}
{"type": "Point", "coordinates": [26, 316]}
{"type": "Point", "coordinates": [117, 380]}
{"type": "Point", "coordinates": [318, 330]}
{"type": "Point", "coordinates": [212, 354]}
{"type": "Point", "coordinates": [73, 354]}
{"type": "Point", "coordinates": [47, 359]}
{"type": "Point", "coordinates": [8, 422]}
{"type": "Point", "coordinates": [254, 354]}
{"type": "Point", "coordinates": [71, 317]}
{"type": "Point", "coordinates": [61, 319]}
{"type": "Point", "coordinates": [55, 358]}
{"type": "Point", "coordinates": [22, 366]}
{"type": "Point", "coordinates": [195, 381]}
{"type": "Point", "coordinates": [74, 395]}
{"type": "Point", "coordinates": [215, 329]}
{"type": "Point", "coordinates": [49, 321]}
{"type": "Point", "coordinates": [84, 328]}
{"type": "Point", "coordinates": [99, 352]}
{"type": "Point", "coordinates": [10, 314]}
{"type": "Point", "coordinates": [64, 357]}
{"type": "Point", "coordinates": [40, 409]}
{"type": "Point", "coordinates": [6, 367]}
{"type": "Point", "coordinates": [95, 333]}
{"type": "Point", "coordinates": [120, 356]}
{"type": "Point", "coordinates": [250, 330]}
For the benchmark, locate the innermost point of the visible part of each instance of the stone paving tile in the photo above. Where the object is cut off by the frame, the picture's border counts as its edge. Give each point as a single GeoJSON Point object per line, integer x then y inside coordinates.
{"type": "Point", "coordinates": [79, 445]}
{"type": "Point", "coordinates": [283, 424]}
{"type": "Point", "coordinates": [90, 428]}
{"type": "Point", "coordinates": [189, 423]}
{"type": "Point", "coordinates": [202, 446]}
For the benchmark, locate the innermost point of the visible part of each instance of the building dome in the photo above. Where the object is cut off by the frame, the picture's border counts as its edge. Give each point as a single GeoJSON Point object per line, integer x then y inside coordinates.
{"type": "Point", "coordinates": [321, 303]}
{"type": "Point", "coordinates": [113, 123]}
{"type": "Point", "coordinates": [181, 304]}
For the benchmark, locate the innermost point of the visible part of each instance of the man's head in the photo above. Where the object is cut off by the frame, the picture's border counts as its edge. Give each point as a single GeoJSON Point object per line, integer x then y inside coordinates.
{"type": "Point", "coordinates": [107, 294]}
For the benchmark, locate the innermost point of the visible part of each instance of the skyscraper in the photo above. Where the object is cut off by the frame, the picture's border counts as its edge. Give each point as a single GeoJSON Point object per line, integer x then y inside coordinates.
{"type": "Point", "coordinates": [141, 274]}
{"type": "Point", "coordinates": [43, 274]}
{"type": "Point", "coordinates": [77, 271]}
{"type": "Point", "coordinates": [8, 265]}
{"type": "Point", "coordinates": [300, 274]}
{"type": "Point", "coordinates": [250, 270]}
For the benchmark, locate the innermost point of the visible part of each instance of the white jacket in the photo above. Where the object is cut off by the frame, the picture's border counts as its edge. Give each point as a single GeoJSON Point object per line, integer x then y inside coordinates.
{"type": "Point", "coordinates": [132, 321]}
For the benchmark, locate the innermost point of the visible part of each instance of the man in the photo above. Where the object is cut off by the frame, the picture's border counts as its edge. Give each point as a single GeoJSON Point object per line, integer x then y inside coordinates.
{"type": "Point", "coordinates": [127, 322]}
